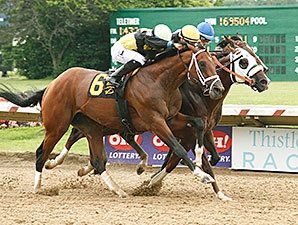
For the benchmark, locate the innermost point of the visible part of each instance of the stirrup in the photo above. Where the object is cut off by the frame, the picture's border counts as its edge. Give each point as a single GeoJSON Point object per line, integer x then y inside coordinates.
{"type": "Point", "coordinates": [113, 81]}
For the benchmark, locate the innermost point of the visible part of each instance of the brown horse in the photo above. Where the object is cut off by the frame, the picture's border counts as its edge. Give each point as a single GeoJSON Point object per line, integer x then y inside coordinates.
{"type": "Point", "coordinates": [205, 111]}
{"type": "Point", "coordinates": [153, 96]}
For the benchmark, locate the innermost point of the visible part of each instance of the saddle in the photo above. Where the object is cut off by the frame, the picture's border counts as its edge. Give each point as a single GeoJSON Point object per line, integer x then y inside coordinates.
{"type": "Point", "coordinates": [101, 88]}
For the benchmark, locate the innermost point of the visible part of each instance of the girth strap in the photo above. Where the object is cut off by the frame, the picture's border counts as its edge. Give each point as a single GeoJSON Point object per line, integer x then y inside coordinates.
{"type": "Point", "coordinates": [122, 107]}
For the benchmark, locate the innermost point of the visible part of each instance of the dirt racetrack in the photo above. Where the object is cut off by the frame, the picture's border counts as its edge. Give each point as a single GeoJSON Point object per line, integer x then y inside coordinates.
{"type": "Point", "coordinates": [258, 198]}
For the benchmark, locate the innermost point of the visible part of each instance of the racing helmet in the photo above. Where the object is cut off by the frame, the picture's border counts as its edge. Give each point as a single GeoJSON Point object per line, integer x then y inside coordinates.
{"type": "Point", "coordinates": [206, 30]}
{"type": "Point", "coordinates": [190, 33]}
{"type": "Point", "coordinates": [163, 32]}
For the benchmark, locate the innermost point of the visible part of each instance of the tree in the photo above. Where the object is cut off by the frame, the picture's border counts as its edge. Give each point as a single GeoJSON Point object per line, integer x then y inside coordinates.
{"type": "Point", "coordinates": [53, 35]}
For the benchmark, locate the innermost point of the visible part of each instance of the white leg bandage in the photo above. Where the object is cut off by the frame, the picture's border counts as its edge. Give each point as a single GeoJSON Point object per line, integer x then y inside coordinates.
{"type": "Point", "coordinates": [112, 185]}
{"type": "Point", "coordinates": [198, 152]}
{"type": "Point", "coordinates": [158, 177]}
{"type": "Point", "coordinates": [37, 181]}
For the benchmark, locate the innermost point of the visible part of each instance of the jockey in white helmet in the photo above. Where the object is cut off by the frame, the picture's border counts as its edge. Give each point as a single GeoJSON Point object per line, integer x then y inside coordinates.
{"type": "Point", "coordinates": [134, 49]}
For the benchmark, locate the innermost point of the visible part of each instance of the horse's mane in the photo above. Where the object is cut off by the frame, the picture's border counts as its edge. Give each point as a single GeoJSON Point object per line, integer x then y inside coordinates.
{"type": "Point", "coordinates": [168, 53]}
{"type": "Point", "coordinates": [162, 55]}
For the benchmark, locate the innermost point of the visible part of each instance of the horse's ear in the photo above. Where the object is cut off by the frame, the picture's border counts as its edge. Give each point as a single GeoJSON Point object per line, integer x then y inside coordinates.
{"type": "Point", "coordinates": [223, 43]}
{"type": "Point", "coordinates": [237, 37]}
{"type": "Point", "coordinates": [191, 47]}
{"type": "Point", "coordinates": [230, 42]}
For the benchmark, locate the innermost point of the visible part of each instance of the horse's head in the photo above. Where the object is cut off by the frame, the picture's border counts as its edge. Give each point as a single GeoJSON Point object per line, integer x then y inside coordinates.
{"type": "Point", "coordinates": [244, 62]}
{"type": "Point", "coordinates": [202, 71]}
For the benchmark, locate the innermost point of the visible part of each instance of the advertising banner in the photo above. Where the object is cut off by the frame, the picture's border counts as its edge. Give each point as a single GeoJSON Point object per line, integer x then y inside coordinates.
{"type": "Point", "coordinates": [268, 149]}
{"type": "Point", "coordinates": [223, 142]}
{"type": "Point", "coordinates": [118, 151]}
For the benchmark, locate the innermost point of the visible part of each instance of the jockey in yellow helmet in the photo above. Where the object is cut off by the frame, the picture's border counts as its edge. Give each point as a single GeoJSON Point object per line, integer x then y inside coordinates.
{"type": "Point", "coordinates": [188, 33]}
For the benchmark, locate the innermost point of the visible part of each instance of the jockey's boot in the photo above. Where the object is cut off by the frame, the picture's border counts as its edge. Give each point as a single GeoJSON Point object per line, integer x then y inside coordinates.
{"type": "Point", "coordinates": [116, 76]}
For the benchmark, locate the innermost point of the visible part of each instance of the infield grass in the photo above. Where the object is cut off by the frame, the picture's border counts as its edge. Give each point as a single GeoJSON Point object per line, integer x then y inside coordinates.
{"type": "Point", "coordinates": [27, 139]}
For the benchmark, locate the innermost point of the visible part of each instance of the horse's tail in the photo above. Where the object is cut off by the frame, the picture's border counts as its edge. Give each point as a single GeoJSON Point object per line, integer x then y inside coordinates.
{"type": "Point", "coordinates": [22, 99]}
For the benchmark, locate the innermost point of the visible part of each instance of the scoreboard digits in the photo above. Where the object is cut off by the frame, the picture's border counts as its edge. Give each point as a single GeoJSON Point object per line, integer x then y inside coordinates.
{"type": "Point", "coordinates": [241, 21]}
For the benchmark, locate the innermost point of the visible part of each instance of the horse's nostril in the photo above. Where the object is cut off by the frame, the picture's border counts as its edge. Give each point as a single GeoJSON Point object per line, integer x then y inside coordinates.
{"type": "Point", "coordinates": [219, 89]}
{"type": "Point", "coordinates": [263, 82]}
{"type": "Point", "coordinates": [206, 92]}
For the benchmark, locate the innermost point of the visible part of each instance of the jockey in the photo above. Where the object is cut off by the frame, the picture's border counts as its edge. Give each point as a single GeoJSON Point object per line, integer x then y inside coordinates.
{"type": "Point", "coordinates": [187, 33]}
{"type": "Point", "coordinates": [133, 49]}
{"type": "Point", "coordinates": [206, 32]}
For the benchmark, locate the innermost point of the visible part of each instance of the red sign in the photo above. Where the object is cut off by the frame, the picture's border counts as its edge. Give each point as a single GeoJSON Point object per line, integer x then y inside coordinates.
{"type": "Point", "coordinates": [159, 145]}
{"type": "Point", "coordinates": [222, 141]}
{"type": "Point", "coordinates": [118, 143]}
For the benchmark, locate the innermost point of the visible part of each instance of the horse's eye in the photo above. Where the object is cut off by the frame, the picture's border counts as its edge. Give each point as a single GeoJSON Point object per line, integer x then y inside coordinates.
{"type": "Point", "coordinates": [243, 63]}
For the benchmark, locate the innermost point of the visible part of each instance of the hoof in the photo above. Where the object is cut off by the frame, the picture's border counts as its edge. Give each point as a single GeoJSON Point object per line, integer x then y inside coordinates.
{"type": "Point", "coordinates": [36, 190]}
{"type": "Point", "coordinates": [223, 197]}
{"type": "Point", "coordinates": [122, 194]}
{"type": "Point", "coordinates": [49, 164]}
{"type": "Point", "coordinates": [204, 177]}
{"type": "Point", "coordinates": [207, 179]}
{"type": "Point", "coordinates": [214, 160]}
{"type": "Point", "coordinates": [81, 172]}
{"type": "Point", "coordinates": [140, 169]}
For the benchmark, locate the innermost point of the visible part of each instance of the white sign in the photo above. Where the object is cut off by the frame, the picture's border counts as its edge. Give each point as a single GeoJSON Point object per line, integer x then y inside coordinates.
{"type": "Point", "coordinates": [268, 149]}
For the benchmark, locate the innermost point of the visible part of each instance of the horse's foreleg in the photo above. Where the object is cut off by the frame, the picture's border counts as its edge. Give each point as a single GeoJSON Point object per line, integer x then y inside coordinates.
{"type": "Point", "coordinates": [207, 168]}
{"type": "Point", "coordinates": [164, 163]}
{"type": "Point", "coordinates": [161, 129]}
{"type": "Point", "coordinates": [210, 146]}
{"type": "Point", "coordinates": [143, 155]}
{"type": "Point", "coordinates": [168, 166]}
{"type": "Point", "coordinates": [58, 160]}
{"type": "Point", "coordinates": [199, 151]}
{"type": "Point", "coordinates": [199, 125]}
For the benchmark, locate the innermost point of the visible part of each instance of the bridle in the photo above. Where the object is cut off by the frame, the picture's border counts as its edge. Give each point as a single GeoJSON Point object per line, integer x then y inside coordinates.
{"type": "Point", "coordinates": [246, 78]}
{"type": "Point", "coordinates": [199, 79]}
{"type": "Point", "coordinates": [224, 67]}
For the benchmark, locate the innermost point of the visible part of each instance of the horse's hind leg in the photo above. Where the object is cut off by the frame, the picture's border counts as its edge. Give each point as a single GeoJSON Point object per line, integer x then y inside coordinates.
{"type": "Point", "coordinates": [98, 159]}
{"type": "Point", "coordinates": [58, 160]}
{"type": "Point", "coordinates": [52, 136]}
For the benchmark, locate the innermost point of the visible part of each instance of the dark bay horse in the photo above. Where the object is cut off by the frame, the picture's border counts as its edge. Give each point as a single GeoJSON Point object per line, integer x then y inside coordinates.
{"type": "Point", "coordinates": [153, 96]}
{"type": "Point", "coordinates": [249, 68]}
{"type": "Point", "coordinates": [195, 103]}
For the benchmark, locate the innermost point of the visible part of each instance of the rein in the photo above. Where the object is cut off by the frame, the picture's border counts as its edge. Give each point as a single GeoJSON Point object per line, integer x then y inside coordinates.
{"type": "Point", "coordinates": [250, 81]}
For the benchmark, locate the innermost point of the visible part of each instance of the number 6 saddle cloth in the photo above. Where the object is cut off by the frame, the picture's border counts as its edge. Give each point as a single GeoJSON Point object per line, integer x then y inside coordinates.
{"type": "Point", "coordinates": [100, 88]}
